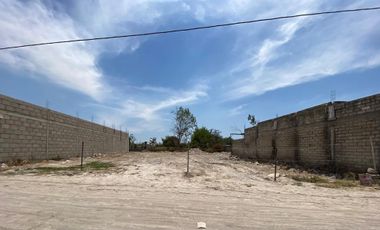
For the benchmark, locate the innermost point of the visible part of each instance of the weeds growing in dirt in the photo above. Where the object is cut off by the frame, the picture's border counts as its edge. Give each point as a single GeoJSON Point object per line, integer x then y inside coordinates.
{"type": "Point", "coordinates": [310, 179]}
{"type": "Point", "coordinates": [323, 182]}
{"type": "Point", "coordinates": [98, 165]}
{"type": "Point", "coordinates": [340, 184]}
{"type": "Point", "coordinates": [90, 166]}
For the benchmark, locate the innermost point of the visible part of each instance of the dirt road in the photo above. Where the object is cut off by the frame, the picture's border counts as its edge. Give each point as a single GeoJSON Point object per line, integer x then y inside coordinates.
{"type": "Point", "coordinates": [150, 191]}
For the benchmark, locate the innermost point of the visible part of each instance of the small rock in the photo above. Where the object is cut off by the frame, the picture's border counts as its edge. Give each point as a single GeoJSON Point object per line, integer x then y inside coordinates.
{"type": "Point", "coordinates": [292, 170]}
{"type": "Point", "coordinates": [333, 177]}
{"type": "Point", "coordinates": [371, 171]}
{"type": "Point", "coordinates": [272, 175]}
{"type": "Point", "coordinates": [4, 166]}
{"type": "Point", "coordinates": [257, 163]}
{"type": "Point", "coordinates": [10, 171]}
{"type": "Point", "coordinates": [201, 225]}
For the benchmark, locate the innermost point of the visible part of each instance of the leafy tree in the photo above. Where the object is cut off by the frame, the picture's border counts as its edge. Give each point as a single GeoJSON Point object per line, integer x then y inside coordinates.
{"type": "Point", "coordinates": [207, 140]}
{"type": "Point", "coordinates": [252, 119]}
{"type": "Point", "coordinates": [227, 141]}
{"type": "Point", "coordinates": [153, 141]}
{"type": "Point", "coordinates": [170, 141]}
{"type": "Point", "coordinates": [132, 139]}
{"type": "Point", "coordinates": [201, 138]}
{"type": "Point", "coordinates": [184, 123]}
{"type": "Point", "coordinates": [215, 136]}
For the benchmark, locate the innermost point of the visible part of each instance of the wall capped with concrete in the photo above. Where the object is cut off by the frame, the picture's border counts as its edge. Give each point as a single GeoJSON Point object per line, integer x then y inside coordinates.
{"type": "Point", "coordinates": [30, 132]}
{"type": "Point", "coordinates": [335, 135]}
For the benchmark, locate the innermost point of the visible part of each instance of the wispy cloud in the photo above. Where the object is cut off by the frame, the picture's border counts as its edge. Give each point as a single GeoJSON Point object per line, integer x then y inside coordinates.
{"type": "Point", "coordinates": [75, 66]}
{"type": "Point", "coordinates": [155, 89]}
{"type": "Point", "coordinates": [72, 65]}
{"type": "Point", "coordinates": [305, 50]}
{"type": "Point", "coordinates": [266, 56]}
{"type": "Point", "coordinates": [152, 113]}
{"type": "Point", "coordinates": [238, 110]}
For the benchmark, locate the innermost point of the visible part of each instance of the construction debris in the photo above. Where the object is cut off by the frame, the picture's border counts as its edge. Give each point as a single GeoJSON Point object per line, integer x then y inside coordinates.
{"type": "Point", "coordinates": [201, 225]}
{"type": "Point", "coordinates": [369, 178]}
{"type": "Point", "coordinates": [4, 166]}
{"type": "Point", "coordinates": [372, 171]}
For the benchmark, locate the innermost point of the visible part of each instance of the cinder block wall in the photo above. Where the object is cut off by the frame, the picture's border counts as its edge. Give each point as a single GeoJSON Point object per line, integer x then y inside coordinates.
{"type": "Point", "coordinates": [314, 138]}
{"type": "Point", "coordinates": [238, 148]}
{"type": "Point", "coordinates": [356, 123]}
{"type": "Point", "coordinates": [30, 132]}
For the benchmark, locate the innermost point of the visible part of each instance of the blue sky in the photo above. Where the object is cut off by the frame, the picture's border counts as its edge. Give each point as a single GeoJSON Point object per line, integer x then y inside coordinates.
{"type": "Point", "coordinates": [222, 75]}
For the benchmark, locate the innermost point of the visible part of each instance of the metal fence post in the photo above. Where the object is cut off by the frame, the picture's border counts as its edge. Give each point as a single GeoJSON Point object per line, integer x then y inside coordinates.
{"type": "Point", "coordinates": [275, 164]}
{"type": "Point", "coordinates": [81, 156]}
{"type": "Point", "coordinates": [188, 161]}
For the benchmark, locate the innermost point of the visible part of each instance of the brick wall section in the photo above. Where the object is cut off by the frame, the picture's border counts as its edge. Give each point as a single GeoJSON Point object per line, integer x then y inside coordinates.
{"type": "Point", "coordinates": [309, 137]}
{"type": "Point", "coordinates": [30, 132]}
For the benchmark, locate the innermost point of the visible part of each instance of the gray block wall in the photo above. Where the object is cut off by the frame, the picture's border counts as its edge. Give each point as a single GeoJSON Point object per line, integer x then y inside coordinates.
{"type": "Point", "coordinates": [30, 132]}
{"type": "Point", "coordinates": [314, 138]}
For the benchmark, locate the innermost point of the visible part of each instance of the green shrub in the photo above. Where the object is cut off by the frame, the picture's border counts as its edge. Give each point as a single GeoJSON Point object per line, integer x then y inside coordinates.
{"type": "Point", "coordinates": [170, 141]}
{"type": "Point", "coordinates": [208, 140]}
{"type": "Point", "coordinates": [218, 147]}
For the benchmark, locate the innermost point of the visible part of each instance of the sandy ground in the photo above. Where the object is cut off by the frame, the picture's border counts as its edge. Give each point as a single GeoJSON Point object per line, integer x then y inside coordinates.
{"type": "Point", "coordinates": [150, 191]}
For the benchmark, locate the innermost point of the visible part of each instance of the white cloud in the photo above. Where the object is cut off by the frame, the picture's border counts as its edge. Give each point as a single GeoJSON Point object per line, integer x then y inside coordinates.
{"type": "Point", "coordinates": [151, 115]}
{"type": "Point", "coordinates": [272, 54]}
{"type": "Point", "coordinates": [305, 50]}
{"type": "Point", "coordinates": [156, 89]}
{"type": "Point", "coordinates": [70, 65]}
{"type": "Point", "coordinates": [267, 51]}
{"type": "Point", "coordinates": [114, 17]}
{"type": "Point", "coordinates": [74, 66]}
{"type": "Point", "coordinates": [236, 110]}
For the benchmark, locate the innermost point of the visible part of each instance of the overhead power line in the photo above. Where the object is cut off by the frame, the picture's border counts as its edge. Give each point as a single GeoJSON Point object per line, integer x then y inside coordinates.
{"type": "Point", "coordinates": [191, 28]}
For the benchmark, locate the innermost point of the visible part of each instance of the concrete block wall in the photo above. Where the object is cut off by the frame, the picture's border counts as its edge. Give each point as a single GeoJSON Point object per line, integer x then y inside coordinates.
{"type": "Point", "coordinates": [238, 148]}
{"type": "Point", "coordinates": [334, 135]}
{"type": "Point", "coordinates": [30, 132]}
{"type": "Point", "coordinates": [357, 122]}
{"type": "Point", "coordinates": [312, 141]}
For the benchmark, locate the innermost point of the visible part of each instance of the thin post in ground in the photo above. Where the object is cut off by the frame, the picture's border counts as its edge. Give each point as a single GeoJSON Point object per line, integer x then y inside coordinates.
{"type": "Point", "coordinates": [188, 162]}
{"type": "Point", "coordinates": [81, 156]}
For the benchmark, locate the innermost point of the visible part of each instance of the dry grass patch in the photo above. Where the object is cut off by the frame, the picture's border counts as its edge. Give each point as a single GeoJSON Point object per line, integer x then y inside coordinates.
{"type": "Point", "coordinates": [94, 165]}
{"type": "Point", "coordinates": [340, 184]}
{"type": "Point", "coordinates": [310, 179]}
{"type": "Point", "coordinates": [64, 170]}
{"type": "Point", "coordinates": [324, 182]}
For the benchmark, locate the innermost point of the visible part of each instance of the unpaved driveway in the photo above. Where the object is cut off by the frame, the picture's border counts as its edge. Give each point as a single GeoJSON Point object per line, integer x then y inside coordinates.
{"type": "Point", "coordinates": [149, 191]}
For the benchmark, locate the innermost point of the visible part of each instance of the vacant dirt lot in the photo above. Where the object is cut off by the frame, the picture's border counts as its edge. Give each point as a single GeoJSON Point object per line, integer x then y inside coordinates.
{"type": "Point", "coordinates": [150, 191]}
